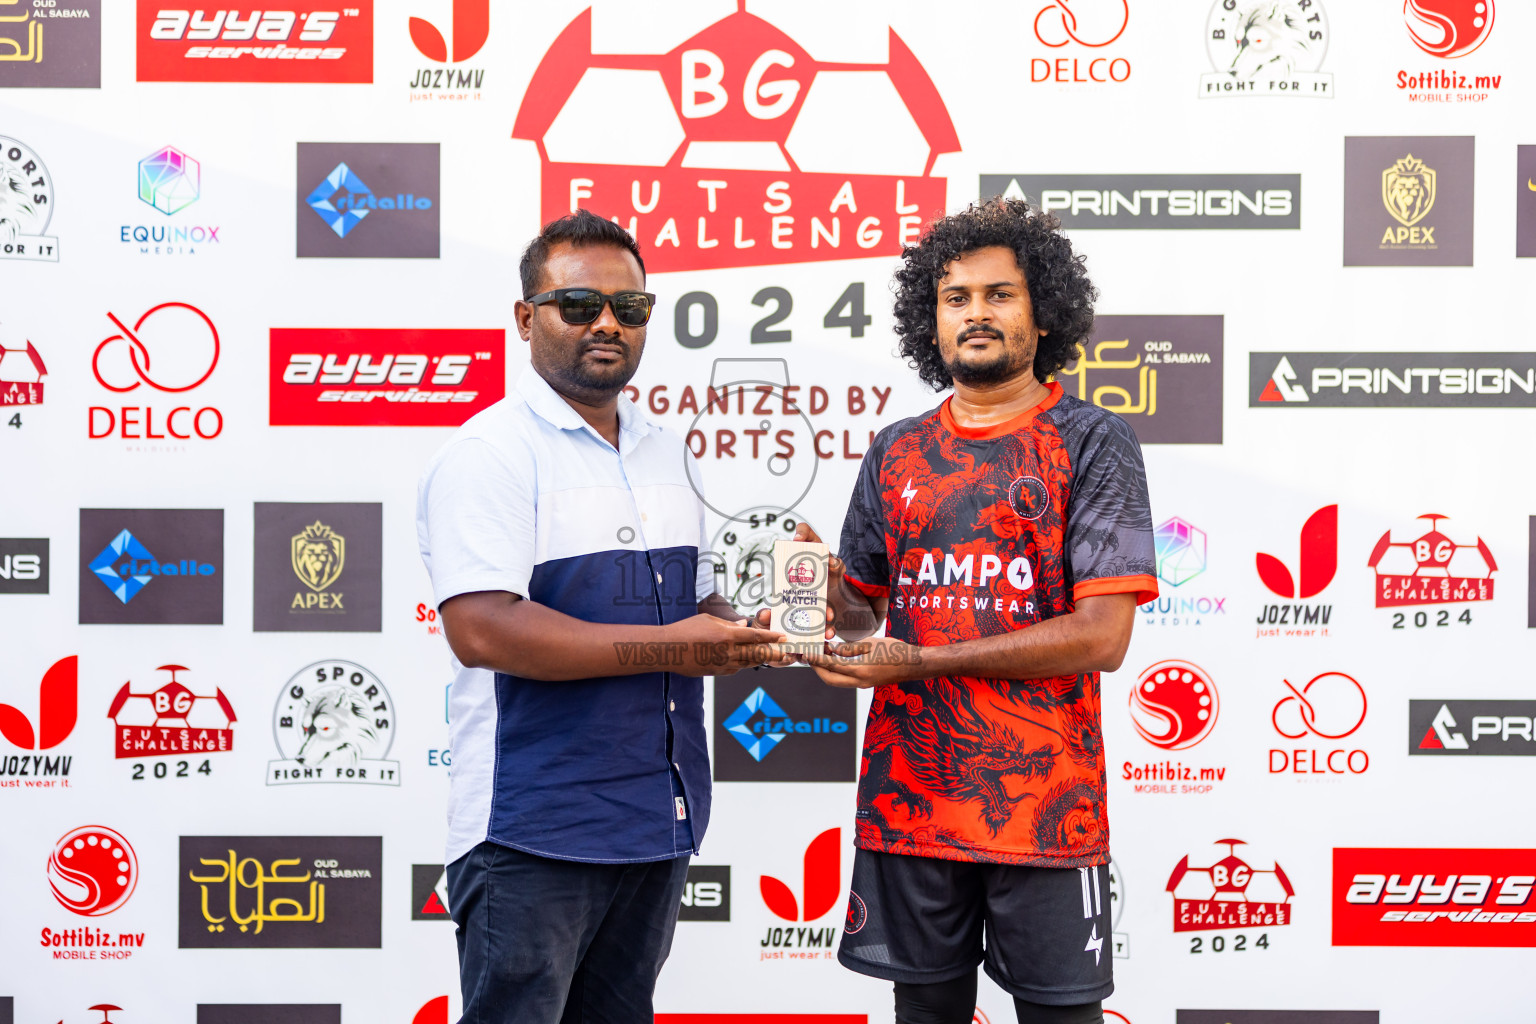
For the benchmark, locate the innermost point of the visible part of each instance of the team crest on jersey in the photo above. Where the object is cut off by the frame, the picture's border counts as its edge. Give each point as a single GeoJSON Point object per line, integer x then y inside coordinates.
{"type": "Point", "coordinates": [1028, 497]}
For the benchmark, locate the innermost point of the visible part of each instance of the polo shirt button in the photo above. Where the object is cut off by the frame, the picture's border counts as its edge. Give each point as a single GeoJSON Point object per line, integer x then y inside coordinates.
{"type": "Point", "coordinates": [671, 705]}
{"type": "Point", "coordinates": [644, 518]}
{"type": "Point", "coordinates": [677, 766]}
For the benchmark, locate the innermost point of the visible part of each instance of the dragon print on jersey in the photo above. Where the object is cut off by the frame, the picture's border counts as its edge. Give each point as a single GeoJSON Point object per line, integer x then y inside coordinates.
{"type": "Point", "coordinates": [972, 534]}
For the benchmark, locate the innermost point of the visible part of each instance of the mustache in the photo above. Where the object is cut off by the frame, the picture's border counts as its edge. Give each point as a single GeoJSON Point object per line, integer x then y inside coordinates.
{"type": "Point", "coordinates": [976, 332]}
{"type": "Point", "coordinates": [592, 341]}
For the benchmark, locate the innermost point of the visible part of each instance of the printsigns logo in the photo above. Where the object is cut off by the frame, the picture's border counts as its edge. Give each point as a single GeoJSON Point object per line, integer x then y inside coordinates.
{"type": "Point", "coordinates": [1392, 380]}
{"type": "Point", "coordinates": [1318, 562]}
{"type": "Point", "coordinates": [310, 41]}
{"type": "Point", "coordinates": [1267, 48]}
{"type": "Point", "coordinates": [1431, 569]}
{"type": "Point", "coordinates": [21, 373]}
{"type": "Point", "coordinates": [23, 565]}
{"type": "Point", "coordinates": [1433, 897]}
{"type": "Point", "coordinates": [93, 870]}
{"type": "Point", "coordinates": [743, 125]}
{"type": "Point", "coordinates": [1229, 894]}
{"type": "Point", "coordinates": [26, 204]}
{"type": "Point", "coordinates": [151, 566]}
{"type": "Point", "coordinates": [280, 892]}
{"type": "Point", "coordinates": [706, 893]}
{"type": "Point", "coordinates": [429, 893]}
{"type": "Point", "coordinates": [334, 722]}
{"type": "Point", "coordinates": [391, 187]}
{"type": "Point", "coordinates": [1168, 390]}
{"type": "Point", "coordinates": [359, 377]}
{"type": "Point", "coordinates": [817, 731]}
{"type": "Point", "coordinates": [319, 567]}
{"type": "Point", "coordinates": [56, 44]}
{"type": "Point", "coordinates": [171, 721]}
{"type": "Point", "coordinates": [1448, 28]}
{"type": "Point", "coordinates": [1158, 201]}
{"type": "Point", "coordinates": [1483, 728]}
{"type": "Point", "coordinates": [1408, 201]}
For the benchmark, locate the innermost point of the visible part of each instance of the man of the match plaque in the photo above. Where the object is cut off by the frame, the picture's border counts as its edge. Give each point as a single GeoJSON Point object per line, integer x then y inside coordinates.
{"type": "Point", "coordinates": [798, 607]}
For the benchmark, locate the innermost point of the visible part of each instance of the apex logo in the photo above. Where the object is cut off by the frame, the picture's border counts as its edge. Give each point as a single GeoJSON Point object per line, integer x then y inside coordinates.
{"type": "Point", "coordinates": [471, 25]}
{"type": "Point", "coordinates": [1319, 558]}
{"type": "Point", "coordinates": [1282, 386]}
{"type": "Point", "coordinates": [823, 871]}
{"type": "Point", "coordinates": [57, 709]}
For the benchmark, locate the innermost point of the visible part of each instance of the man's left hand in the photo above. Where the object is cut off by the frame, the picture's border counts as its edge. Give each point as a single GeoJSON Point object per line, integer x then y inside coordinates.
{"type": "Point", "coordinates": [872, 662]}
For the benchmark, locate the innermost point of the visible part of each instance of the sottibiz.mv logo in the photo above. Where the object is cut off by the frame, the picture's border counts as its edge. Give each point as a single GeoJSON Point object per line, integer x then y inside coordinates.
{"type": "Point", "coordinates": [754, 152]}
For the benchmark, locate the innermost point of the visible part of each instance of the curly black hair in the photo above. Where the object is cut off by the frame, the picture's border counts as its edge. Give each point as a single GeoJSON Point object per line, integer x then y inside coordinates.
{"type": "Point", "coordinates": [1059, 289]}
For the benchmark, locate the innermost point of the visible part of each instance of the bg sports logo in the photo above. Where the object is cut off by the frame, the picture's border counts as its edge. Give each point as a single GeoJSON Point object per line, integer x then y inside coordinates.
{"type": "Point", "coordinates": [383, 378]}
{"type": "Point", "coordinates": [307, 41]}
{"type": "Point", "coordinates": [1433, 897]}
{"type": "Point", "coordinates": [755, 153]}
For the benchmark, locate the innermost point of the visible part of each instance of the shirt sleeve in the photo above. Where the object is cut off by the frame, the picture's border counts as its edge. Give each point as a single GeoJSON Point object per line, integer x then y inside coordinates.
{"type": "Point", "coordinates": [475, 520]}
{"type": "Point", "coordinates": [1109, 518]}
{"type": "Point", "coordinates": [866, 564]}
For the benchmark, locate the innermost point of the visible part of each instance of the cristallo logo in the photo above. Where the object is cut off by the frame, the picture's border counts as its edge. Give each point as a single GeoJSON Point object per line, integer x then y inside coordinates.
{"type": "Point", "coordinates": [754, 152]}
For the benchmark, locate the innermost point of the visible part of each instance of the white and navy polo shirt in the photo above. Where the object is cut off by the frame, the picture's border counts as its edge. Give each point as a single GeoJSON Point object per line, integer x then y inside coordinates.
{"type": "Point", "coordinates": [527, 498]}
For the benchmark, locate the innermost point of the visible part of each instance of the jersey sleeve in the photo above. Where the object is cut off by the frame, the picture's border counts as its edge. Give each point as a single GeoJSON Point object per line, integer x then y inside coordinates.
{"type": "Point", "coordinates": [475, 521]}
{"type": "Point", "coordinates": [1109, 518]}
{"type": "Point", "coordinates": [866, 564]}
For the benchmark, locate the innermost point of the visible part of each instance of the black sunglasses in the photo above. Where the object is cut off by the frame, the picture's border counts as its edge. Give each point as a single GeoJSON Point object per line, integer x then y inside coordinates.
{"type": "Point", "coordinates": [584, 305]}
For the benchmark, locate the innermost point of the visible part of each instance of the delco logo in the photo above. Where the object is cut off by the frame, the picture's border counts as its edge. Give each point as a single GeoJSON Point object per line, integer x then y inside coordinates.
{"type": "Point", "coordinates": [754, 152]}
{"type": "Point", "coordinates": [1433, 897]}
{"type": "Point", "coordinates": [420, 378]}
{"type": "Point", "coordinates": [307, 42]}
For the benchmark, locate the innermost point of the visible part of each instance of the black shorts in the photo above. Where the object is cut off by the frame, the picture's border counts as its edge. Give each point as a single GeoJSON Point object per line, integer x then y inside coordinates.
{"type": "Point", "coordinates": [921, 920]}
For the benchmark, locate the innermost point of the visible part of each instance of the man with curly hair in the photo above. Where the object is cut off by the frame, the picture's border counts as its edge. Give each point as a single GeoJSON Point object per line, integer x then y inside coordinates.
{"type": "Point", "coordinates": [1006, 539]}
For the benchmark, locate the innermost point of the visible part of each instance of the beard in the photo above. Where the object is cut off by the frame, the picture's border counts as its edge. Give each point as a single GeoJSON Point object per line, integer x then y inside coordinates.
{"type": "Point", "coordinates": [580, 378]}
{"type": "Point", "coordinates": [1012, 359]}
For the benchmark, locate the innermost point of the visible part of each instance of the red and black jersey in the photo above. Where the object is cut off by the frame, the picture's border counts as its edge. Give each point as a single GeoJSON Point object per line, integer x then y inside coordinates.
{"type": "Point", "coordinates": [972, 533]}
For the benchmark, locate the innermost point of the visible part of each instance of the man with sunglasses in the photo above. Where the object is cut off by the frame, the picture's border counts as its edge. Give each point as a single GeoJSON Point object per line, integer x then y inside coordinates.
{"type": "Point", "coordinates": [562, 536]}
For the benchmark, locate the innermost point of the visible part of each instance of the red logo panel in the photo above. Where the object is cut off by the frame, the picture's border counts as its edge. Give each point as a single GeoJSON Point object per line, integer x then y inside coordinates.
{"type": "Point", "coordinates": [308, 41]}
{"type": "Point", "coordinates": [353, 377]}
{"type": "Point", "coordinates": [1433, 897]}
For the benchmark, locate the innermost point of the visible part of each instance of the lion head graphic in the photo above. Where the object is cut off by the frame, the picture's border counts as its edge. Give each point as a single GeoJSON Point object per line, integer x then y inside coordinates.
{"type": "Point", "coordinates": [1408, 190]}
{"type": "Point", "coordinates": [17, 211]}
{"type": "Point", "coordinates": [318, 555]}
{"type": "Point", "coordinates": [338, 728]}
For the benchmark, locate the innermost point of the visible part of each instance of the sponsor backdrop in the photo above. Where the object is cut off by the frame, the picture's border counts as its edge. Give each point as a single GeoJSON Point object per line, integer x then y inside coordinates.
{"type": "Point", "coordinates": [258, 263]}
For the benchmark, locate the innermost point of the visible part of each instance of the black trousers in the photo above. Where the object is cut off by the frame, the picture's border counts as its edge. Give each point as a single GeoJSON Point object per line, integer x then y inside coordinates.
{"type": "Point", "coordinates": [546, 941]}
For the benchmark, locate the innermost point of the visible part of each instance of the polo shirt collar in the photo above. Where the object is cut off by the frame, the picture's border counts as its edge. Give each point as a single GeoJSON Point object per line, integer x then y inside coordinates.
{"type": "Point", "coordinates": [550, 407]}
